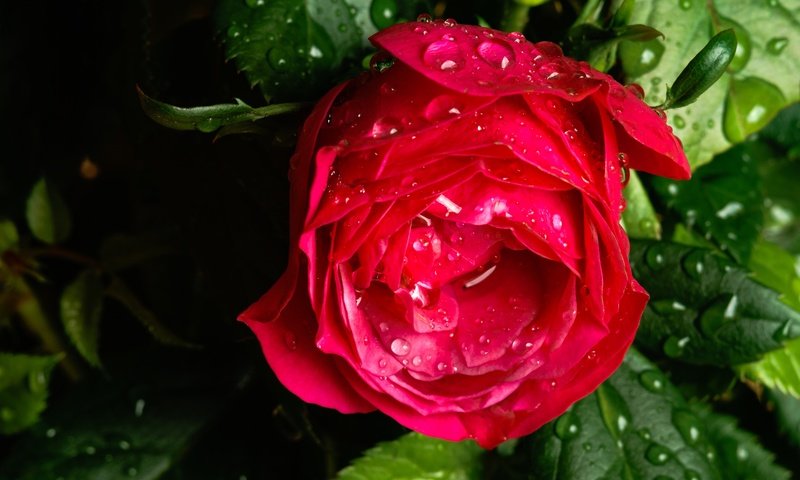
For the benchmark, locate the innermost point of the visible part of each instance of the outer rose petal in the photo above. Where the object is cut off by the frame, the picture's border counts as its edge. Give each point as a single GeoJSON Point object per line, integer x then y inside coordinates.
{"type": "Point", "coordinates": [289, 346]}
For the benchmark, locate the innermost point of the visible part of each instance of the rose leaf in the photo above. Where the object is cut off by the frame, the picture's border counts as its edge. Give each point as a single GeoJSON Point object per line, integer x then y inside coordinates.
{"type": "Point", "coordinates": [47, 214]}
{"type": "Point", "coordinates": [639, 217]}
{"type": "Point", "coordinates": [137, 424]}
{"type": "Point", "coordinates": [706, 310]}
{"type": "Point", "coordinates": [760, 81]}
{"type": "Point", "coordinates": [787, 414]}
{"type": "Point", "coordinates": [779, 369]}
{"type": "Point", "coordinates": [636, 425]}
{"type": "Point", "coordinates": [290, 48]}
{"type": "Point", "coordinates": [23, 389]}
{"type": "Point", "coordinates": [417, 457]}
{"type": "Point", "coordinates": [9, 236]}
{"type": "Point", "coordinates": [722, 201]}
{"type": "Point", "coordinates": [738, 452]}
{"type": "Point", "coordinates": [81, 308]}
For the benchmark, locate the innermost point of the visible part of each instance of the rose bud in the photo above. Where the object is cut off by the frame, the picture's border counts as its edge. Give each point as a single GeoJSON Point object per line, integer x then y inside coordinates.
{"type": "Point", "coordinates": [456, 259]}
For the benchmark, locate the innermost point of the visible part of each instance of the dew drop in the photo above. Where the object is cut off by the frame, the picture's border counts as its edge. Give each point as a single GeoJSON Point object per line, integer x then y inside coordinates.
{"type": "Point", "coordinates": [441, 366]}
{"type": "Point", "coordinates": [652, 380]}
{"type": "Point", "coordinates": [496, 54]}
{"type": "Point", "coordinates": [693, 264]}
{"type": "Point", "coordinates": [557, 222]}
{"type": "Point", "coordinates": [685, 4]}
{"type": "Point", "coordinates": [750, 105]}
{"type": "Point", "coordinates": [639, 58]}
{"type": "Point", "coordinates": [722, 310]}
{"type": "Point", "coordinates": [657, 454]}
{"type": "Point", "coordinates": [730, 209]}
{"type": "Point", "coordinates": [655, 256]}
{"type": "Point", "coordinates": [400, 347]}
{"type": "Point", "coordinates": [254, 3]}
{"type": "Point", "coordinates": [678, 121]}
{"type": "Point", "coordinates": [776, 45]}
{"type": "Point", "coordinates": [688, 425]}
{"type": "Point", "coordinates": [443, 107]}
{"type": "Point", "coordinates": [385, 127]}
{"type": "Point", "coordinates": [278, 58]}
{"type": "Point", "coordinates": [234, 31]}
{"type": "Point", "coordinates": [416, 361]}
{"type": "Point", "coordinates": [691, 475]}
{"type": "Point", "coordinates": [674, 346]}
{"type": "Point", "coordinates": [567, 426]}
{"type": "Point", "coordinates": [444, 56]}
{"type": "Point", "coordinates": [383, 13]}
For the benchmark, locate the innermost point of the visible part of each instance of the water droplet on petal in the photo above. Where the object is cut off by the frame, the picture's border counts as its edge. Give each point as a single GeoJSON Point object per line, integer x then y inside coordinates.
{"type": "Point", "coordinates": [442, 107]}
{"type": "Point", "coordinates": [444, 55]}
{"type": "Point", "coordinates": [290, 340]}
{"type": "Point", "coordinates": [496, 54]}
{"type": "Point", "coordinates": [385, 127]}
{"type": "Point", "coordinates": [400, 347]}
{"type": "Point", "coordinates": [416, 361]}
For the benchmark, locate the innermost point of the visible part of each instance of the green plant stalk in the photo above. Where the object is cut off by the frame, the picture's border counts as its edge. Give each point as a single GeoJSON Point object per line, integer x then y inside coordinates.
{"type": "Point", "coordinates": [515, 16]}
{"type": "Point", "coordinates": [35, 319]}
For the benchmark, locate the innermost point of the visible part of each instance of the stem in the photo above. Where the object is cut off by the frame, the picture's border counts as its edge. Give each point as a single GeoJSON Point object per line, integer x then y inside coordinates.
{"type": "Point", "coordinates": [59, 252]}
{"type": "Point", "coordinates": [36, 321]}
{"type": "Point", "coordinates": [515, 16]}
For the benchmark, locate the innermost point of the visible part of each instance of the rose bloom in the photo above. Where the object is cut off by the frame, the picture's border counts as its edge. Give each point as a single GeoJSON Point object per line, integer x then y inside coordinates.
{"type": "Point", "coordinates": [456, 258]}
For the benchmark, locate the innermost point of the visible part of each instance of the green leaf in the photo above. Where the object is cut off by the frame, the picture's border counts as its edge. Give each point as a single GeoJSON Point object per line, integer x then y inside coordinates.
{"type": "Point", "coordinates": [290, 48]}
{"type": "Point", "coordinates": [120, 292]}
{"type": "Point", "coordinates": [703, 70]}
{"type": "Point", "coordinates": [23, 389]}
{"type": "Point", "coordinates": [785, 129]}
{"type": "Point", "coordinates": [47, 214]}
{"type": "Point", "coordinates": [639, 217]}
{"type": "Point", "coordinates": [136, 425]}
{"type": "Point", "coordinates": [212, 117]}
{"type": "Point", "coordinates": [636, 425]}
{"type": "Point", "coordinates": [739, 453]}
{"type": "Point", "coordinates": [787, 415]}
{"type": "Point", "coordinates": [9, 238]}
{"type": "Point", "coordinates": [704, 309]}
{"type": "Point", "coordinates": [417, 457]}
{"type": "Point", "coordinates": [722, 201]}
{"type": "Point", "coordinates": [744, 99]}
{"type": "Point", "coordinates": [81, 309]}
{"type": "Point", "coordinates": [777, 269]}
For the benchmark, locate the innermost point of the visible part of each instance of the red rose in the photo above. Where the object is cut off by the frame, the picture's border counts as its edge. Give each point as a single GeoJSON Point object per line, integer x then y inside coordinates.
{"type": "Point", "coordinates": [457, 260]}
